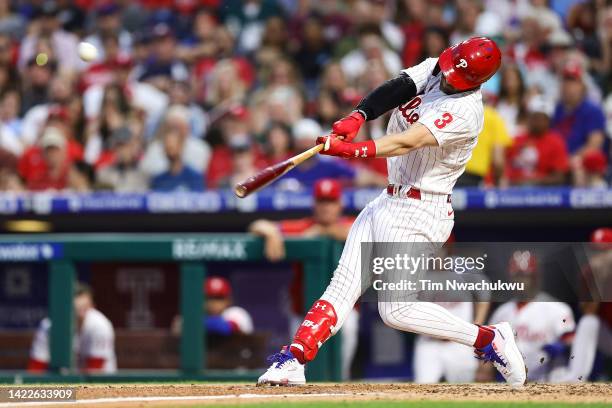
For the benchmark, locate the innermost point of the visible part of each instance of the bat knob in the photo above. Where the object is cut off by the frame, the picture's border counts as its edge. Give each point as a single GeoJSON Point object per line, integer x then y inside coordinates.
{"type": "Point", "coordinates": [240, 190]}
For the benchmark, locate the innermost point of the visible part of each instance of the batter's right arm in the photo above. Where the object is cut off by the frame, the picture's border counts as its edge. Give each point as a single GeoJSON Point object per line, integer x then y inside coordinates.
{"type": "Point", "coordinates": [391, 145]}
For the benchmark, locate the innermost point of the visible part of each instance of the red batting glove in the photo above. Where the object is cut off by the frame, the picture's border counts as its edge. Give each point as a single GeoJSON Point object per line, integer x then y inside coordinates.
{"type": "Point", "coordinates": [348, 127]}
{"type": "Point", "coordinates": [340, 148]}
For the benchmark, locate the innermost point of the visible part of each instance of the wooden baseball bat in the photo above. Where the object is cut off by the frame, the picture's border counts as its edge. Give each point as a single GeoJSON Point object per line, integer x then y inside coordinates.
{"type": "Point", "coordinates": [271, 173]}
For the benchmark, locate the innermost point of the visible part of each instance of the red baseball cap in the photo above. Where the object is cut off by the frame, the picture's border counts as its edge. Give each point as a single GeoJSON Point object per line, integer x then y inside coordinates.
{"type": "Point", "coordinates": [217, 287]}
{"type": "Point", "coordinates": [572, 70]}
{"type": "Point", "coordinates": [595, 161]}
{"type": "Point", "coordinates": [327, 189]}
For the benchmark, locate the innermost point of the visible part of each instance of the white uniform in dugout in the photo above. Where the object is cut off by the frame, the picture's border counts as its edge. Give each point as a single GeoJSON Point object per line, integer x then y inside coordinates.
{"type": "Point", "coordinates": [537, 324]}
{"type": "Point", "coordinates": [438, 99]}
{"type": "Point", "coordinates": [95, 339]}
{"type": "Point", "coordinates": [435, 359]}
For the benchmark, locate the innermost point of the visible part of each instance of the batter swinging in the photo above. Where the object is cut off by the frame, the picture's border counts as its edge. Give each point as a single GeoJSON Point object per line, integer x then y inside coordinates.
{"type": "Point", "coordinates": [437, 116]}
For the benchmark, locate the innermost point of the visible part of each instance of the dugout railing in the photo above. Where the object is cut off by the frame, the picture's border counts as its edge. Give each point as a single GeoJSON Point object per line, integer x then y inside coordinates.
{"type": "Point", "coordinates": [191, 251]}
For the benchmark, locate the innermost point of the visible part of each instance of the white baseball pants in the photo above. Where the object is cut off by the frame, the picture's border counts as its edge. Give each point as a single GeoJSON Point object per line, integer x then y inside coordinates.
{"type": "Point", "coordinates": [396, 219]}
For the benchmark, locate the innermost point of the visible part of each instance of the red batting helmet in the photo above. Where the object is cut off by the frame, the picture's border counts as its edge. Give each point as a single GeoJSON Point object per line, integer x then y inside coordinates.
{"type": "Point", "coordinates": [217, 287]}
{"type": "Point", "coordinates": [602, 236]}
{"type": "Point", "coordinates": [470, 63]}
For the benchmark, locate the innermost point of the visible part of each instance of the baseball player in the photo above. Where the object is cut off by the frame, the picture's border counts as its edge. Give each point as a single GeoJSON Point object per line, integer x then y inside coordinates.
{"type": "Point", "coordinates": [437, 116]}
{"type": "Point", "coordinates": [594, 329]}
{"type": "Point", "coordinates": [94, 341]}
{"type": "Point", "coordinates": [223, 318]}
{"type": "Point", "coordinates": [544, 327]}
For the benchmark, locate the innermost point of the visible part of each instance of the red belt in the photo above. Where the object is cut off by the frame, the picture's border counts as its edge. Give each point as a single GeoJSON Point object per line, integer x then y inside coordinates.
{"type": "Point", "coordinates": [415, 193]}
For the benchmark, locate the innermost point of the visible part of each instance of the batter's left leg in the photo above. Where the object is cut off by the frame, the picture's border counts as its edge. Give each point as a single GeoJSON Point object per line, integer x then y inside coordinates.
{"type": "Point", "coordinates": [327, 315]}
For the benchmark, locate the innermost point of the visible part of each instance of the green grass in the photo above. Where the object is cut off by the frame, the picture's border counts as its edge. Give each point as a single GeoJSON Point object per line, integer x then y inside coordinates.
{"type": "Point", "coordinates": [409, 404]}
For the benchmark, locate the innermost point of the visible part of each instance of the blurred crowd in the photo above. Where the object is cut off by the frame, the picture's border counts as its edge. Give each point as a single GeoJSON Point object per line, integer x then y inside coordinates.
{"type": "Point", "coordinates": [197, 94]}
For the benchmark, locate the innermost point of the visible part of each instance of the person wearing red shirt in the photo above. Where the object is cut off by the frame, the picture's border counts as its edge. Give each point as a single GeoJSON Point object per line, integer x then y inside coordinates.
{"type": "Point", "coordinates": [46, 166]}
{"type": "Point", "coordinates": [538, 157]}
{"type": "Point", "coordinates": [327, 220]}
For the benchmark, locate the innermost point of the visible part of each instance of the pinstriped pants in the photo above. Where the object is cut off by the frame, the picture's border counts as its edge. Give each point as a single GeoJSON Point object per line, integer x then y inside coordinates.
{"type": "Point", "coordinates": [428, 221]}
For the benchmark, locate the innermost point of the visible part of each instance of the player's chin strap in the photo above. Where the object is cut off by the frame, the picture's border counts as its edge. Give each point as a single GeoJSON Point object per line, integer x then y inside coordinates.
{"type": "Point", "coordinates": [316, 328]}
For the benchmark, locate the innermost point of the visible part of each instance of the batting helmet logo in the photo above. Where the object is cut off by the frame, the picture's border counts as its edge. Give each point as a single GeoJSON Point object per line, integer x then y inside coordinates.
{"type": "Point", "coordinates": [462, 63]}
{"type": "Point", "coordinates": [479, 58]}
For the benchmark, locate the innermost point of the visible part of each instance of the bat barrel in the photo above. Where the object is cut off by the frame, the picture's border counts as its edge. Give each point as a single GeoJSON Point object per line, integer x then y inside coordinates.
{"type": "Point", "coordinates": [263, 178]}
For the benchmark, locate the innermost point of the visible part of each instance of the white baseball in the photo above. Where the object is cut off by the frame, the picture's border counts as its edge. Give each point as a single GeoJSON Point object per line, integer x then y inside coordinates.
{"type": "Point", "coordinates": [87, 51]}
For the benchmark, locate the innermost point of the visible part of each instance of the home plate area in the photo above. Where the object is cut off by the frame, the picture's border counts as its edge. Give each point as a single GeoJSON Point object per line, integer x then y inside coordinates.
{"type": "Point", "coordinates": [321, 394]}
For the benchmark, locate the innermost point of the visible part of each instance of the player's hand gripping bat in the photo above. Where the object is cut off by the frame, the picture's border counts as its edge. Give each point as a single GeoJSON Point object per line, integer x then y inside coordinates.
{"type": "Point", "coordinates": [271, 173]}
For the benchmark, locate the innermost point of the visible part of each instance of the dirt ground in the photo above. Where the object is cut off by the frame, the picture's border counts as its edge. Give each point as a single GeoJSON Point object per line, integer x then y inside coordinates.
{"type": "Point", "coordinates": [228, 393]}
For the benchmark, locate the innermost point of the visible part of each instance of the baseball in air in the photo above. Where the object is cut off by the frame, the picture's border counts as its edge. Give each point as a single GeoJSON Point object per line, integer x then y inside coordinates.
{"type": "Point", "coordinates": [87, 52]}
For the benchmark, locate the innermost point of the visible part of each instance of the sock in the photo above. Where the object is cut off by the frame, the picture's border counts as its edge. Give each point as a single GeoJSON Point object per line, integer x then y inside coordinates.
{"type": "Point", "coordinates": [484, 338]}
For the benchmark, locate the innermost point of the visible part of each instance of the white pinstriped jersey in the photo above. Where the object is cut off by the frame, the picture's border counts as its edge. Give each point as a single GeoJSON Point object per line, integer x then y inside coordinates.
{"type": "Point", "coordinates": [454, 120]}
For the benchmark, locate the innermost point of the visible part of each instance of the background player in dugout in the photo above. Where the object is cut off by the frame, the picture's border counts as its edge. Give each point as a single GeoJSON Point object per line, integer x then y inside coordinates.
{"type": "Point", "coordinates": [437, 116]}
{"type": "Point", "coordinates": [327, 220]}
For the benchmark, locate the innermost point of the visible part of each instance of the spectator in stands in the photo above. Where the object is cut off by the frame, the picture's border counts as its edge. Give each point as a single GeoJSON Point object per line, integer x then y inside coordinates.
{"type": "Point", "coordinates": [10, 124]}
{"type": "Point", "coordinates": [47, 165]}
{"type": "Point", "coordinates": [511, 99]}
{"type": "Point", "coordinates": [313, 53]}
{"type": "Point", "coordinates": [248, 18]}
{"type": "Point", "coordinates": [9, 178]}
{"type": "Point", "coordinates": [164, 67]}
{"type": "Point", "coordinates": [305, 175]}
{"type": "Point", "coordinates": [123, 173]}
{"type": "Point", "coordinates": [94, 343]}
{"type": "Point", "coordinates": [36, 79]}
{"type": "Point", "coordinates": [108, 23]}
{"type": "Point", "coordinates": [579, 121]}
{"type": "Point", "coordinates": [232, 125]}
{"type": "Point", "coordinates": [11, 23]}
{"type": "Point", "coordinates": [200, 43]}
{"type": "Point", "coordinates": [10, 105]}
{"type": "Point", "coordinates": [435, 40]}
{"type": "Point", "coordinates": [179, 176]}
{"type": "Point", "coordinates": [62, 43]}
{"type": "Point", "coordinates": [277, 143]}
{"type": "Point", "coordinates": [488, 157]}
{"type": "Point", "coordinates": [243, 161]}
{"type": "Point", "coordinates": [280, 99]}
{"type": "Point", "coordinates": [181, 94]}
{"type": "Point", "coordinates": [113, 115]}
{"type": "Point", "coordinates": [224, 89]}
{"type": "Point", "coordinates": [539, 156]}
{"type": "Point", "coordinates": [327, 220]}
{"type": "Point", "coordinates": [195, 154]}
{"type": "Point", "coordinates": [60, 91]}
{"type": "Point", "coordinates": [371, 47]}
{"type": "Point", "coordinates": [223, 318]}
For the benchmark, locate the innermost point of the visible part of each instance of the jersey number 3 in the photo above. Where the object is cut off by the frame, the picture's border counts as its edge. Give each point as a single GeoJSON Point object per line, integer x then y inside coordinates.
{"type": "Point", "coordinates": [445, 120]}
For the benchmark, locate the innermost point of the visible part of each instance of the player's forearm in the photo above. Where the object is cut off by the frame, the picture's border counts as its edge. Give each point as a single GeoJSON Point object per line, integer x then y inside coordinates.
{"type": "Point", "coordinates": [388, 96]}
{"type": "Point", "coordinates": [264, 228]}
{"type": "Point", "coordinates": [401, 143]}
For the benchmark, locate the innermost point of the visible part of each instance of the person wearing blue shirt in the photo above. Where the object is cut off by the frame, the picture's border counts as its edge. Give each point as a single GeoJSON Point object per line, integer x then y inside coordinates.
{"type": "Point", "coordinates": [178, 177]}
{"type": "Point", "coordinates": [579, 121]}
